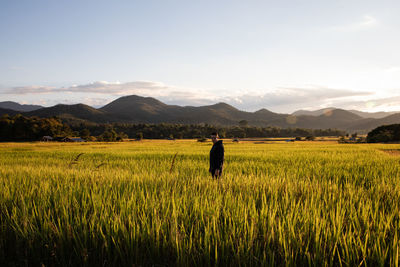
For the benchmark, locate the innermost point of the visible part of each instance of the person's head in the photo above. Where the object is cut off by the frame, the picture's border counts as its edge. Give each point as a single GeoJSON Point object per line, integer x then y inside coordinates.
{"type": "Point", "coordinates": [214, 137]}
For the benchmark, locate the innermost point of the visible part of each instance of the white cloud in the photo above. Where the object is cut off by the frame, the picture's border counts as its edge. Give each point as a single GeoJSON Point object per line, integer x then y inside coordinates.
{"type": "Point", "coordinates": [111, 90]}
{"type": "Point", "coordinates": [373, 105]}
{"type": "Point", "coordinates": [393, 69]}
{"type": "Point", "coordinates": [117, 88]}
{"type": "Point", "coordinates": [100, 87]}
{"type": "Point", "coordinates": [366, 22]}
{"type": "Point", "coordinates": [22, 90]}
{"type": "Point", "coordinates": [284, 99]}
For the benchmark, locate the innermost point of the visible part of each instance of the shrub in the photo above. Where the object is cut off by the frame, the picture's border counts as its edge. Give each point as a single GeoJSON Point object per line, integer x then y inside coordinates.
{"type": "Point", "coordinates": [202, 139]}
{"type": "Point", "coordinates": [139, 136]}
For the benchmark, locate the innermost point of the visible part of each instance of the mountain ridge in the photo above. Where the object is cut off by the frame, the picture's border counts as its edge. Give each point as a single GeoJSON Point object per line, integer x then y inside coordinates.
{"type": "Point", "coordinates": [318, 112]}
{"type": "Point", "coordinates": [137, 109]}
{"type": "Point", "coordinates": [18, 107]}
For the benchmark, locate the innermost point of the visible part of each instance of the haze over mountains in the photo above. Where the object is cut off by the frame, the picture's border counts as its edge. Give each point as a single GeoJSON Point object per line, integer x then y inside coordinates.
{"type": "Point", "coordinates": [18, 107]}
{"type": "Point", "coordinates": [137, 109]}
{"type": "Point", "coordinates": [374, 115]}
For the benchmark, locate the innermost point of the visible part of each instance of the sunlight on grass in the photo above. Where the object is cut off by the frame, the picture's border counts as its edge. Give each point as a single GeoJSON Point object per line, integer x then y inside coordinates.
{"type": "Point", "coordinates": [299, 203]}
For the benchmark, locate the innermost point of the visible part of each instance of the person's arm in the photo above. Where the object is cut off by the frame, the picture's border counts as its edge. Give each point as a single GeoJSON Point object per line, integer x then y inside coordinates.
{"type": "Point", "coordinates": [220, 157]}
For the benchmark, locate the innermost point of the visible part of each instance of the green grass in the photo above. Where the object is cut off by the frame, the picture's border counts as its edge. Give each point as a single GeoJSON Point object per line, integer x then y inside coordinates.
{"type": "Point", "coordinates": [302, 203]}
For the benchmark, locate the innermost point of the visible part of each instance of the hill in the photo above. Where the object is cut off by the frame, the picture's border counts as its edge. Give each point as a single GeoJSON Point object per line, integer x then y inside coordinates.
{"type": "Point", "coordinates": [337, 118]}
{"type": "Point", "coordinates": [137, 109]}
{"type": "Point", "coordinates": [372, 115]}
{"type": "Point", "coordinates": [149, 110]}
{"type": "Point", "coordinates": [18, 107]}
{"type": "Point", "coordinates": [141, 109]}
{"type": "Point", "coordinates": [10, 112]}
{"type": "Point", "coordinates": [73, 112]}
{"type": "Point", "coordinates": [384, 133]}
{"type": "Point", "coordinates": [318, 112]}
{"type": "Point", "coordinates": [370, 124]}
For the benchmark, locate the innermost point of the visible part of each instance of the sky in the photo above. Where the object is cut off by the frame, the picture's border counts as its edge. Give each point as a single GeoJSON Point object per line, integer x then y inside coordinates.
{"type": "Point", "coordinates": [279, 55]}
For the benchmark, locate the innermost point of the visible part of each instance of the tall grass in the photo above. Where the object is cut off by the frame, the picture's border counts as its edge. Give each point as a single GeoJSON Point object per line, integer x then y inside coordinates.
{"type": "Point", "coordinates": [277, 204]}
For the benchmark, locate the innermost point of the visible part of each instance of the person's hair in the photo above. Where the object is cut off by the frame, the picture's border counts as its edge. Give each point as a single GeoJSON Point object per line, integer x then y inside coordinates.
{"type": "Point", "coordinates": [214, 133]}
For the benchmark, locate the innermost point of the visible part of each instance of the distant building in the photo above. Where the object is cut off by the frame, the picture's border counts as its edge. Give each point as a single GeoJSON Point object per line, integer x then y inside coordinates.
{"type": "Point", "coordinates": [73, 139]}
{"type": "Point", "coordinates": [47, 138]}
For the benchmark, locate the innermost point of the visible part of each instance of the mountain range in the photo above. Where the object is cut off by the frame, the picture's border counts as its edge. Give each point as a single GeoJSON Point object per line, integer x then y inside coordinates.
{"type": "Point", "coordinates": [18, 107]}
{"type": "Point", "coordinates": [374, 115]}
{"type": "Point", "coordinates": [137, 109]}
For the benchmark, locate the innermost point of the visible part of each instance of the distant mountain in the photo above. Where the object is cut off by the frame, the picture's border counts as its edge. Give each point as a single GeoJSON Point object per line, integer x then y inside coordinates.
{"type": "Point", "coordinates": [373, 115]}
{"type": "Point", "coordinates": [141, 109]}
{"type": "Point", "coordinates": [137, 109]}
{"type": "Point", "coordinates": [10, 112]}
{"type": "Point", "coordinates": [265, 113]}
{"type": "Point", "coordinates": [318, 112]}
{"type": "Point", "coordinates": [18, 107]}
{"type": "Point", "coordinates": [369, 124]}
{"type": "Point", "coordinates": [336, 118]}
{"type": "Point", "coordinates": [71, 112]}
{"type": "Point", "coordinates": [149, 110]}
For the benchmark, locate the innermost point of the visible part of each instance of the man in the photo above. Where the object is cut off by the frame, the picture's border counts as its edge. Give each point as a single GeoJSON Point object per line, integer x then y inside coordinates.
{"type": "Point", "coordinates": [216, 156]}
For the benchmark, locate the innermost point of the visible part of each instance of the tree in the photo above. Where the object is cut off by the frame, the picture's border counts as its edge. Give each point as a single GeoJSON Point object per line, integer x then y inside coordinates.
{"type": "Point", "coordinates": [386, 133]}
{"type": "Point", "coordinates": [21, 128]}
{"type": "Point", "coordinates": [238, 132]}
{"type": "Point", "coordinates": [109, 135]}
{"type": "Point", "coordinates": [85, 134]}
{"type": "Point", "coordinates": [139, 136]}
{"type": "Point", "coordinates": [222, 133]}
{"type": "Point", "coordinates": [310, 138]}
{"type": "Point", "coordinates": [179, 135]}
{"type": "Point", "coordinates": [121, 136]}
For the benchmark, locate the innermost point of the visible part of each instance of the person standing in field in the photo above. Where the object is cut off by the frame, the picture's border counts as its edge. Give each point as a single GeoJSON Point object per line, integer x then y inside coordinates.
{"type": "Point", "coordinates": [216, 156]}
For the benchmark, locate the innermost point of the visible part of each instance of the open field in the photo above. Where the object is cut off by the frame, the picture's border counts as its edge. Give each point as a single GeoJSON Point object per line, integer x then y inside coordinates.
{"type": "Point", "coordinates": [301, 203]}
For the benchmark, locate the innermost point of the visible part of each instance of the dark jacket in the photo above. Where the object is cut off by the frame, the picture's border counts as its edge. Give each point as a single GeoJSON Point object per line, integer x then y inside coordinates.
{"type": "Point", "coordinates": [217, 156]}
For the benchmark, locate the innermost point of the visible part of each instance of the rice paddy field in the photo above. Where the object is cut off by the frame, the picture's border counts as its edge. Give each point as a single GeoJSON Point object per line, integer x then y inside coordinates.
{"type": "Point", "coordinates": [153, 203]}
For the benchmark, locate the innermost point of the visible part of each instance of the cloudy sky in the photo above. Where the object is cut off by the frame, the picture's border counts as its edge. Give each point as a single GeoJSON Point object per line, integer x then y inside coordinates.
{"type": "Point", "coordinates": [279, 55]}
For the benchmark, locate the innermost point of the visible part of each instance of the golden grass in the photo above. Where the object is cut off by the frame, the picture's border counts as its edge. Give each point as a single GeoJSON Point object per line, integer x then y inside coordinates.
{"type": "Point", "coordinates": [301, 203]}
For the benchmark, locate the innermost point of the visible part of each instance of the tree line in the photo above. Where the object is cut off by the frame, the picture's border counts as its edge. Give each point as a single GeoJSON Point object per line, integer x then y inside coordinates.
{"type": "Point", "coordinates": [21, 128]}
{"type": "Point", "coordinates": [184, 131]}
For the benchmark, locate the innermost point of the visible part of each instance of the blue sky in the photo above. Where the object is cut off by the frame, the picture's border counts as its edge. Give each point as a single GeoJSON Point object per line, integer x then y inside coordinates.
{"type": "Point", "coordinates": [279, 55]}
